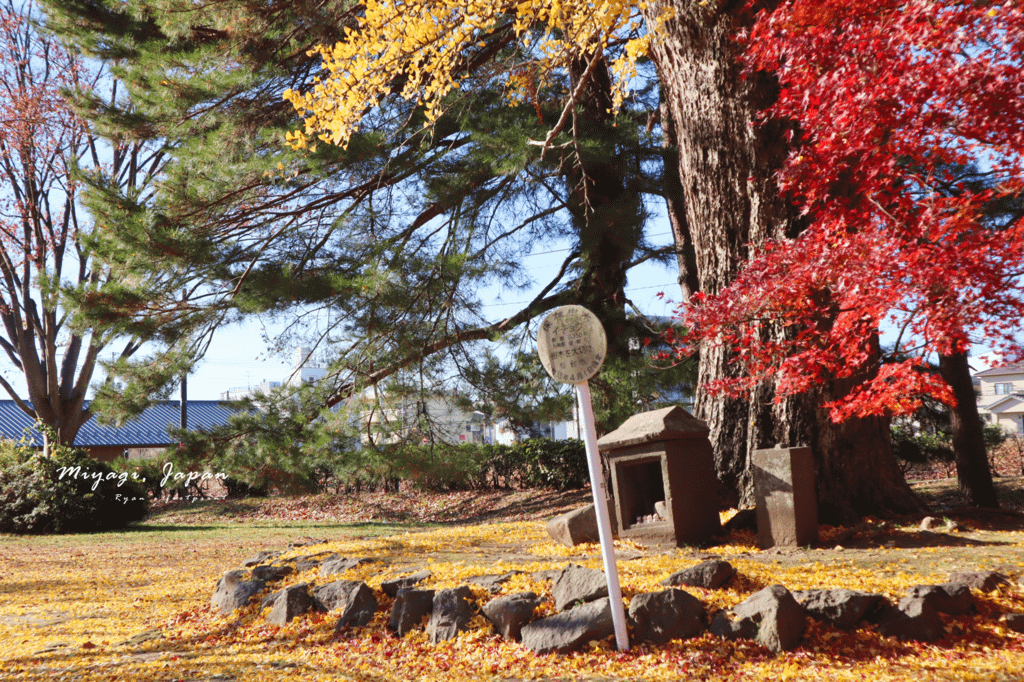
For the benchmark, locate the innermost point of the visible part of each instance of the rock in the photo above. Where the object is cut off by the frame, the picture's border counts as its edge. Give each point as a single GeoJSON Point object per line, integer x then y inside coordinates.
{"type": "Point", "coordinates": [579, 526]}
{"type": "Point", "coordinates": [660, 617]}
{"type": "Point", "coordinates": [310, 561]}
{"type": "Point", "coordinates": [292, 601]}
{"type": "Point", "coordinates": [492, 583]}
{"type": "Point", "coordinates": [779, 617]}
{"type": "Point", "coordinates": [510, 613]}
{"type": "Point", "coordinates": [269, 600]}
{"type": "Point", "coordinates": [842, 608]}
{"type": "Point", "coordinates": [260, 557]}
{"type": "Point", "coordinates": [723, 626]}
{"type": "Point", "coordinates": [708, 574]}
{"type": "Point", "coordinates": [354, 598]}
{"type": "Point", "coordinates": [307, 542]}
{"type": "Point", "coordinates": [577, 584]}
{"type": "Point", "coordinates": [914, 619]}
{"type": "Point", "coordinates": [340, 565]}
{"type": "Point", "coordinates": [546, 574]}
{"type": "Point", "coordinates": [409, 609]}
{"type": "Point", "coordinates": [453, 609]}
{"type": "Point", "coordinates": [232, 592]}
{"type": "Point", "coordinates": [1014, 621]}
{"type": "Point", "coordinates": [930, 522]}
{"type": "Point", "coordinates": [569, 630]}
{"type": "Point", "coordinates": [271, 573]}
{"type": "Point", "coordinates": [986, 581]}
{"type": "Point", "coordinates": [392, 587]}
{"type": "Point", "coordinates": [952, 598]}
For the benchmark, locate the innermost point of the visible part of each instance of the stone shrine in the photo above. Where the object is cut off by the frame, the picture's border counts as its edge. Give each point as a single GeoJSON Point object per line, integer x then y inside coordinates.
{"type": "Point", "coordinates": [663, 478]}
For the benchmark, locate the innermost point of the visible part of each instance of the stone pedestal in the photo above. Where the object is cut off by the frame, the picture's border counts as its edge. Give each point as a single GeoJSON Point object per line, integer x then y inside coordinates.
{"type": "Point", "coordinates": [787, 502]}
{"type": "Point", "coordinates": [663, 478]}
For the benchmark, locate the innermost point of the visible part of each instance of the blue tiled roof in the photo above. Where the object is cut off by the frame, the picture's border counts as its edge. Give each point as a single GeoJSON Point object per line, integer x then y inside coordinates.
{"type": "Point", "coordinates": [148, 429]}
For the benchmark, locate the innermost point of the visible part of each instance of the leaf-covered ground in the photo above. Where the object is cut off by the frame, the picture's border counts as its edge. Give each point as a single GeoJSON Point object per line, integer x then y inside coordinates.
{"type": "Point", "coordinates": [135, 605]}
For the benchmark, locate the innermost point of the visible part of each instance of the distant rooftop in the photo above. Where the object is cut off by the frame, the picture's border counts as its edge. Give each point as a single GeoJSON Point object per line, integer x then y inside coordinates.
{"type": "Point", "coordinates": [1014, 368]}
{"type": "Point", "coordinates": [147, 430]}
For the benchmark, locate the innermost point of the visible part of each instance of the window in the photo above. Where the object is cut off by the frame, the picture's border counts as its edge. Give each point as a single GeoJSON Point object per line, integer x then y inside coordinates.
{"type": "Point", "coordinates": [1004, 389]}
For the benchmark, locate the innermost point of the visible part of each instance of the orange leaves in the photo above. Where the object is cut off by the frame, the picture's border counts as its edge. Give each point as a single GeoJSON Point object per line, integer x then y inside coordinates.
{"type": "Point", "coordinates": [111, 575]}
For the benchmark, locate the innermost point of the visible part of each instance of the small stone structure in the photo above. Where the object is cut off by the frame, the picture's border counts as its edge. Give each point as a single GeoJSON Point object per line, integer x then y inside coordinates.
{"type": "Point", "coordinates": [663, 478]}
{"type": "Point", "coordinates": [787, 503]}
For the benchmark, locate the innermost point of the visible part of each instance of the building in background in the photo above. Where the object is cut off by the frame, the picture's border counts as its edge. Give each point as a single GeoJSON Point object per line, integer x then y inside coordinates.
{"type": "Point", "coordinates": [132, 440]}
{"type": "Point", "coordinates": [417, 419]}
{"type": "Point", "coordinates": [304, 370]}
{"type": "Point", "coordinates": [1001, 397]}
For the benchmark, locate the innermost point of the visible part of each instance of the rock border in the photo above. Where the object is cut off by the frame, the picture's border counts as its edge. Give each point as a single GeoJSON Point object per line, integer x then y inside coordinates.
{"type": "Point", "coordinates": [775, 617]}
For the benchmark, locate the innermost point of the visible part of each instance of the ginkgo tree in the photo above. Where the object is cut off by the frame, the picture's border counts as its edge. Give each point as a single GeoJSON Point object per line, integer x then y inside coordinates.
{"type": "Point", "coordinates": [908, 155]}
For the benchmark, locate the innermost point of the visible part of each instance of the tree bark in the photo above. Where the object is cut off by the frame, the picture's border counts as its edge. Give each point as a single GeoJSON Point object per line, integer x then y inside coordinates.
{"type": "Point", "coordinates": [606, 211]}
{"type": "Point", "coordinates": [727, 168]}
{"type": "Point", "coordinates": [972, 468]}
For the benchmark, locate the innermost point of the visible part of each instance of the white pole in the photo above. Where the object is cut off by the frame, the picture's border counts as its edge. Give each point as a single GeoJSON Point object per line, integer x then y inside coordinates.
{"type": "Point", "coordinates": [604, 526]}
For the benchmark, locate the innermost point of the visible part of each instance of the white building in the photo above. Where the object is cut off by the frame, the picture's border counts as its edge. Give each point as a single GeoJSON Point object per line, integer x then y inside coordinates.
{"type": "Point", "coordinates": [305, 370]}
{"type": "Point", "coordinates": [242, 392]}
{"type": "Point", "coordinates": [417, 418]}
{"type": "Point", "coordinates": [1001, 397]}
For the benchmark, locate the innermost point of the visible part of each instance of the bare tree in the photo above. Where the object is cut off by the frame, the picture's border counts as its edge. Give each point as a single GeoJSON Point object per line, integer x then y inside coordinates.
{"type": "Point", "coordinates": [43, 229]}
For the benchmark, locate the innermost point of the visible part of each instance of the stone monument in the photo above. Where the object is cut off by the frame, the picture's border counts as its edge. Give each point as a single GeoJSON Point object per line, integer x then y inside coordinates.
{"type": "Point", "coordinates": [787, 502]}
{"type": "Point", "coordinates": [663, 478]}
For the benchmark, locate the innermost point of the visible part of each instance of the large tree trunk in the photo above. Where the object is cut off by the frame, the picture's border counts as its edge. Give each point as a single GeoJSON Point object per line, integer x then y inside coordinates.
{"type": "Point", "coordinates": [727, 170]}
{"type": "Point", "coordinates": [972, 468]}
{"type": "Point", "coordinates": [606, 211]}
{"type": "Point", "coordinates": [857, 473]}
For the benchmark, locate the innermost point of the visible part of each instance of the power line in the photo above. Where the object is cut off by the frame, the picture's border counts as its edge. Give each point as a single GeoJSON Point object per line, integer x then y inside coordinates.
{"type": "Point", "coordinates": [547, 253]}
{"type": "Point", "coordinates": [628, 290]}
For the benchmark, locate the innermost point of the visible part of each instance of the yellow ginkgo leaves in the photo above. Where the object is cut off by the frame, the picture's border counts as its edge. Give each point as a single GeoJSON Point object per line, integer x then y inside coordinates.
{"type": "Point", "coordinates": [422, 51]}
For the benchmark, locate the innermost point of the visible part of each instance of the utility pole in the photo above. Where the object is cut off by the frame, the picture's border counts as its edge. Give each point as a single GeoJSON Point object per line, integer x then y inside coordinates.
{"type": "Point", "coordinates": [183, 413]}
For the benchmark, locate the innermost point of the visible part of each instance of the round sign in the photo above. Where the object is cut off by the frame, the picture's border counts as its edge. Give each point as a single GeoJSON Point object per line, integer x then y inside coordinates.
{"type": "Point", "coordinates": [572, 344]}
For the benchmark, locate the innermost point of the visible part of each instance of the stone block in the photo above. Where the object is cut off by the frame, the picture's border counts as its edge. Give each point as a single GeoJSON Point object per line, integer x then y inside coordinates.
{"type": "Point", "coordinates": [579, 526]}
{"type": "Point", "coordinates": [787, 502]}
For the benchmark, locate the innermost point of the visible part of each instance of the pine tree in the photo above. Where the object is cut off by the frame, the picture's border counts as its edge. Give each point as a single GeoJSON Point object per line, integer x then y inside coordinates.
{"type": "Point", "coordinates": [395, 234]}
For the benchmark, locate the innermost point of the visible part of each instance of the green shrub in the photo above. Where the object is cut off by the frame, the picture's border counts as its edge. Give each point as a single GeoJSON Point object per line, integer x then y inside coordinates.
{"type": "Point", "coordinates": [994, 435]}
{"type": "Point", "coordinates": [146, 473]}
{"type": "Point", "coordinates": [558, 464]}
{"type": "Point", "coordinates": [66, 493]}
{"type": "Point", "coordinates": [920, 448]}
{"type": "Point", "coordinates": [532, 463]}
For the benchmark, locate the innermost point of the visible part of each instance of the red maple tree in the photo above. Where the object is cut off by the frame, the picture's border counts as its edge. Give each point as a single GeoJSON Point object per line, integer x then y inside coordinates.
{"type": "Point", "coordinates": [906, 146]}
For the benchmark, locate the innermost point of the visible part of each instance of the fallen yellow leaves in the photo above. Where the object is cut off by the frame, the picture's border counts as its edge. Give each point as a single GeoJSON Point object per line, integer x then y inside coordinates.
{"type": "Point", "coordinates": [108, 610]}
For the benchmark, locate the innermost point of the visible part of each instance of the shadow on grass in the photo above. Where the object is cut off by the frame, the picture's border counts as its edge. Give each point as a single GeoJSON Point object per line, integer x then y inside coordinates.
{"type": "Point", "coordinates": [545, 504]}
{"type": "Point", "coordinates": [898, 539]}
{"type": "Point", "coordinates": [144, 527]}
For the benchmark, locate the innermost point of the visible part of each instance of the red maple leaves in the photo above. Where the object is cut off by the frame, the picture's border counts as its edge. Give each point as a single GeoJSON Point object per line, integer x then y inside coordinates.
{"type": "Point", "coordinates": [907, 161]}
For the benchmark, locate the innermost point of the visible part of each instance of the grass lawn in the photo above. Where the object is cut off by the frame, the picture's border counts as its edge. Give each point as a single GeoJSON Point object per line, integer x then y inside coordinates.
{"type": "Point", "coordinates": [135, 605]}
